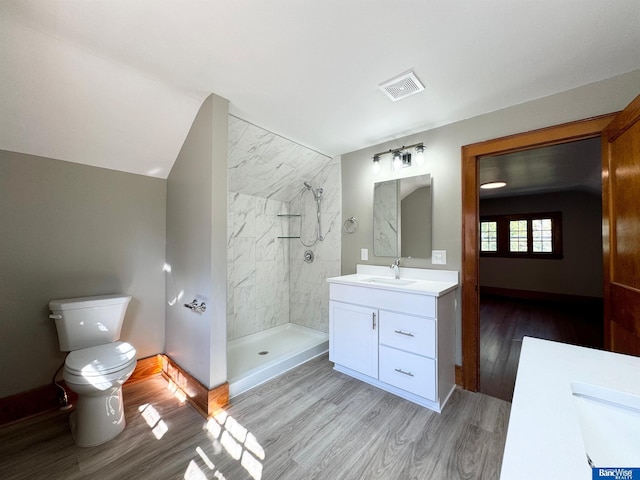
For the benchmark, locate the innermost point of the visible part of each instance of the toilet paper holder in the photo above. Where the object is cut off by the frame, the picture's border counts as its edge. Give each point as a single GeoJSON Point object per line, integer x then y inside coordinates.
{"type": "Point", "coordinates": [200, 308]}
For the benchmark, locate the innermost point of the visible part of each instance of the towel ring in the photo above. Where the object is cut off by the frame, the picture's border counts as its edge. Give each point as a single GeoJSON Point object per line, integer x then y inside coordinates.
{"type": "Point", "coordinates": [350, 225]}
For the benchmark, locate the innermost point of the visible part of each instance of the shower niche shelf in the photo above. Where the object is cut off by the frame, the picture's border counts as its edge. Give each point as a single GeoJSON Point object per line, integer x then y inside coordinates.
{"type": "Point", "coordinates": [288, 215]}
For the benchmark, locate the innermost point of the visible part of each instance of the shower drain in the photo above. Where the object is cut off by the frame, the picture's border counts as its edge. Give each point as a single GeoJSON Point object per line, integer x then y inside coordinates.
{"type": "Point", "coordinates": [264, 352]}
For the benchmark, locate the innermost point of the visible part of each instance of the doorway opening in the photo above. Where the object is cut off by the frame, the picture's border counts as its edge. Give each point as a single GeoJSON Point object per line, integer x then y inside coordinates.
{"type": "Point", "coordinates": [471, 157]}
{"type": "Point", "coordinates": [540, 265]}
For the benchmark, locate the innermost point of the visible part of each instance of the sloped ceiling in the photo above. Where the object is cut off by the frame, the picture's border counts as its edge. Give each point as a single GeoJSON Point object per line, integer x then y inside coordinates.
{"type": "Point", "coordinates": [117, 83]}
{"type": "Point", "coordinates": [267, 165]}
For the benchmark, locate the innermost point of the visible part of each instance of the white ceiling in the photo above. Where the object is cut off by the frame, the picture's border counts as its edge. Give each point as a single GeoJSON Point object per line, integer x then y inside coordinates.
{"type": "Point", "coordinates": [117, 83]}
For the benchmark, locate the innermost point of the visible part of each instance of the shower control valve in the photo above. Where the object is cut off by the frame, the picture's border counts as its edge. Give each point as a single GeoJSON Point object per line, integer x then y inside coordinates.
{"type": "Point", "coordinates": [308, 256]}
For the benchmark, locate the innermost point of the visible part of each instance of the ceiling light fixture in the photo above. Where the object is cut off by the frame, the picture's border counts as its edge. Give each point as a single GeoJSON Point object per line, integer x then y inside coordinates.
{"type": "Point", "coordinates": [492, 185]}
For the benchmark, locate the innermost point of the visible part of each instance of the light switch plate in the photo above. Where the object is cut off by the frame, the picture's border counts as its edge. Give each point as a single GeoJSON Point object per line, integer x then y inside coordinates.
{"type": "Point", "coordinates": [439, 257]}
{"type": "Point", "coordinates": [364, 254]}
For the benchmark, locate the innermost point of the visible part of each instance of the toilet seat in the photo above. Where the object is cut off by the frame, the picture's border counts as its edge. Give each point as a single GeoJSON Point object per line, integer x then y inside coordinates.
{"type": "Point", "coordinates": [101, 360]}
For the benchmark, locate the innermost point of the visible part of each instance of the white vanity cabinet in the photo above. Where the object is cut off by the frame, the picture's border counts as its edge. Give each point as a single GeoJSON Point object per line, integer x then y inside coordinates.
{"type": "Point", "coordinates": [398, 339]}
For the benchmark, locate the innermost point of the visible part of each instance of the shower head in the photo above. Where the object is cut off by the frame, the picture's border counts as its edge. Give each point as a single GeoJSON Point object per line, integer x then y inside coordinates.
{"type": "Point", "coordinates": [308, 185]}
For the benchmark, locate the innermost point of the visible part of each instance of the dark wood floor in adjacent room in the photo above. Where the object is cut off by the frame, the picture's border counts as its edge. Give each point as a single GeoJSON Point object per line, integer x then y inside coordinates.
{"type": "Point", "coordinates": [505, 321]}
{"type": "Point", "coordinates": [310, 423]}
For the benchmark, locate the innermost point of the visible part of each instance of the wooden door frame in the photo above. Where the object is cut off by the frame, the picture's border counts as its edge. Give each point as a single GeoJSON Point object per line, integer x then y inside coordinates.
{"type": "Point", "coordinates": [564, 133]}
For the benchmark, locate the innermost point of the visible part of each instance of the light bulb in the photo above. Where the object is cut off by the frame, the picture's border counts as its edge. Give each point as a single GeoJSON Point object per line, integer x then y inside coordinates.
{"type": "Point", "coordinates": [397, 161]}
{"type": "Point", "coordinates": [419, 155]}
{"type": "Point", "coordinates": [375, 168]}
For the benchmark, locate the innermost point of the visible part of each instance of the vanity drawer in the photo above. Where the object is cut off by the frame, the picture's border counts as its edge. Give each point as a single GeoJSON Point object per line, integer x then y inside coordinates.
{"type": "Point", "coordinates": [406, 332]}
{"type": "Point", "coordinates": [413, 373]}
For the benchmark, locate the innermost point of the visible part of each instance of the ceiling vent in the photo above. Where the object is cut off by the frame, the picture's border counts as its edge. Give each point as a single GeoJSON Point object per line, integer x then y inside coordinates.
{"type": "Point", "coordinates": [402, 86]}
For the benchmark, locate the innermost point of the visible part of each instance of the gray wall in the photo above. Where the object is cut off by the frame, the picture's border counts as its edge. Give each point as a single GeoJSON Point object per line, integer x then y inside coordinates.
{"type": "Point", "coordinates": [71, 230]}
{"type": "Point", "coordinates": [442, 161]}
{"type": "Point", "coordinates": [197, 246]}
{"type": "Point", "coordinates": [579, 272]}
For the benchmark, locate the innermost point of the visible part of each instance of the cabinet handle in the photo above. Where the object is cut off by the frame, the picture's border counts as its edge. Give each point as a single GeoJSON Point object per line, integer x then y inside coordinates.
{"type": "Point", "coordinates": [373, 320]}
{"type": "Point", "coordinates": [399, 370]}
{"type": "Point", "coordinates": [400, 332]}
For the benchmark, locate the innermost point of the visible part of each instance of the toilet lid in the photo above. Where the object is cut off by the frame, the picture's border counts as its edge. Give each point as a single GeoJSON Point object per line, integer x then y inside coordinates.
{"type": "Point", "coordinates": [100, 360]}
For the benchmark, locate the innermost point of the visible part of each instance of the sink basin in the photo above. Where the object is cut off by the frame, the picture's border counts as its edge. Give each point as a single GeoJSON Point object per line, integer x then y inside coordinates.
{"type": "Point", "coordinates": [389, 281]}
{"type": "Point", "coordinates": [610, 425]}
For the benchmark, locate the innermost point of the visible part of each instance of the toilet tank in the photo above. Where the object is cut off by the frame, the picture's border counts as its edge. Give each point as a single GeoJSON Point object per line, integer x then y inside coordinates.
{"type": "Point", "coordinates": [88, 321]}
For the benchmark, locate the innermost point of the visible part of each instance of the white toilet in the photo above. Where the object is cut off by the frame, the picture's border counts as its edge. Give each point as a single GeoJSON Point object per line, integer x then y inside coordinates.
{"type": "Point", "coordinates": [97, 365]}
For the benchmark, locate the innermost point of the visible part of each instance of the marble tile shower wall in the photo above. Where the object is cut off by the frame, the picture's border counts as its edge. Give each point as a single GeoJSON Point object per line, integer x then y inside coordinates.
{"type": "Point", "coordinates": [267, 165]}
{"type": "Point", "coordinates": [257, 265]}
{"type": "Point", "coordinates": [308, 289]}
{"type": "Point", "coordinates": [268, 282]}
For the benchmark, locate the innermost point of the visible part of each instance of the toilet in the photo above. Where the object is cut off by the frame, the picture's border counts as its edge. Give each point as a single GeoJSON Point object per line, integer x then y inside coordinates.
{"type": "Point", "coordinates": [97, 365]}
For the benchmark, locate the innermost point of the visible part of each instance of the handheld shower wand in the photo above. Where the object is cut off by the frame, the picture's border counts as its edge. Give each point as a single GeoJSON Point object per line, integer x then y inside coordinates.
{"type": "Point", "coordinates": [317, 195]}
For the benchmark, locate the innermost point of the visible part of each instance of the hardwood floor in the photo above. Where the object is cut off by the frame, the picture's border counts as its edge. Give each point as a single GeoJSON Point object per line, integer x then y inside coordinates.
{"type": "Point", "coordinates": [505, 321]}
{"type": "Point", "coordinates": [310, 423]}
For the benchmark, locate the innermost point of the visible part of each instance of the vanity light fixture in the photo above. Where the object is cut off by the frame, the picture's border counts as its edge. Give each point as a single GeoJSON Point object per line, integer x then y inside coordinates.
{"type": "Point", "coordinates": [375, 168]}
{"type": "Point", "coordinates": [401, 157]}
{"type": "Point", "coordinates": [492, 185]}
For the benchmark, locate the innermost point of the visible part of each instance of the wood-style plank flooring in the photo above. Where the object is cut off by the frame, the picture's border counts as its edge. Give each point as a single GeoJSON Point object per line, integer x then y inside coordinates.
{"type": "Point", "coordinates": [505, 321]}
{"type": "Point", "coordinates": [310, 423]}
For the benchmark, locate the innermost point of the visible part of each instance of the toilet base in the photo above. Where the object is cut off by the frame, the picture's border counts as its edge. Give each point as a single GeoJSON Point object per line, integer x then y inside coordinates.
{"type": "Point", "coordinates": [98, 418]}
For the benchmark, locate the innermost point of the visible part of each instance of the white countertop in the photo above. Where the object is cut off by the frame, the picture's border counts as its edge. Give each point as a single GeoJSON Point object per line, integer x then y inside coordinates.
{"type": "Point", "coordinates": [544, 438]}
{"type": "Point", "coordinates": [439, 285]}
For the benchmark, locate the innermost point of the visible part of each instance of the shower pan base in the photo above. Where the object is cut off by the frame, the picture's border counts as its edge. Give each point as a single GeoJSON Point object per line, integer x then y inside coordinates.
{"type": "Point", "coordinates": [257, 358]}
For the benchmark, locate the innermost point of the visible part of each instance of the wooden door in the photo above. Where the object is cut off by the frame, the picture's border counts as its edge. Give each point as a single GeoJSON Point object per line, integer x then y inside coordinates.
{"type": "Point", "coordinates": [621, 230]}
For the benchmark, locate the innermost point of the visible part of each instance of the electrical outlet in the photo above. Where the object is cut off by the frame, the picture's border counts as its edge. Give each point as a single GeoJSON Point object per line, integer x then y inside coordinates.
{"type": "Point", "coordinates": [364, 254]}
{"type": "Point", "coordinates": [439, 257]}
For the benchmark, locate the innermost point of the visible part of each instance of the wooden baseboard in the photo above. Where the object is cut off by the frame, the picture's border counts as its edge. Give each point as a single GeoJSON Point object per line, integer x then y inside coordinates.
{"type": "Point", "coordinates": [459, 378]}
{"type": "Point", "coordinates": [542, 296]}
{"type": "Point", "coordinates": [45, 399]}
{"type": "Point", "coordinates": [146, 367]}
{"type": "Point", "coordinates": [206, 401]}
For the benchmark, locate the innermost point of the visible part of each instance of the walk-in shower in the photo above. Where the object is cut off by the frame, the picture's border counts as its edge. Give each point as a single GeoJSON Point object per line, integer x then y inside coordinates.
{"type": "Point", "coordinates": [317, 197]}
{"type": "Point", "coordinates": [277, 316]}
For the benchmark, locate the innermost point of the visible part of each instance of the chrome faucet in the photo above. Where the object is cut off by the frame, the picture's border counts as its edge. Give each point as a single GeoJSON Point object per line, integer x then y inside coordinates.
{"type": "Point", "coordinates": [396, 268]}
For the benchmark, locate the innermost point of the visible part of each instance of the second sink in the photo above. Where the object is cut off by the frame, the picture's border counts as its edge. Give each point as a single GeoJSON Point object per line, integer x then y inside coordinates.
{"type": "Point", "coordinates": [610, 425]}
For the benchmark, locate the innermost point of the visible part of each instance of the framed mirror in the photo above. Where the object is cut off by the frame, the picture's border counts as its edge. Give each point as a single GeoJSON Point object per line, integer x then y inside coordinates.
{"type": "Point", "coordinates": [402, 217]}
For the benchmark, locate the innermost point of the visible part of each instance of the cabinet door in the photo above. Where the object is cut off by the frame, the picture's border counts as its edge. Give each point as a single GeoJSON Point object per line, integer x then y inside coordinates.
{"type": "Point", "coordinates": [353, 337]}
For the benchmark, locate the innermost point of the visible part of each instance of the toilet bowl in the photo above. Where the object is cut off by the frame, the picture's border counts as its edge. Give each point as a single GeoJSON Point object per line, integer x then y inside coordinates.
{"type": "Point", "coordinates": [97, 374]}
{"type": "Point", "coordinates": [97, 364]}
